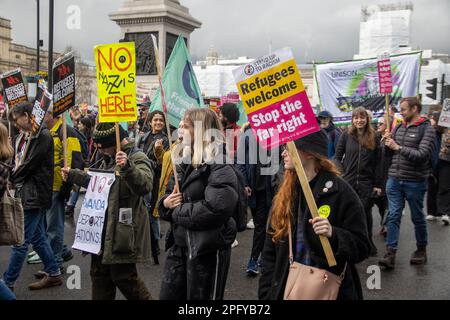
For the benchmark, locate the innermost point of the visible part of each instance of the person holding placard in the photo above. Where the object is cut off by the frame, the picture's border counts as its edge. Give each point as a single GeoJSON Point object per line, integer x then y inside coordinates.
{"type": "Point", "coordinates": [342, 220]}
{"type": "Point", "coordinates": [33, 180]}
{"type": "Point", "coordinates": [125, 242]}
{"type": "Point", "coordinates": [201, 213]}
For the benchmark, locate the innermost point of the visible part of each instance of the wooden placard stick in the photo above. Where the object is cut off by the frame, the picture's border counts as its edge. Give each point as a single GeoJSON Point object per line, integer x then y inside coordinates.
{"type": "Point", "coordinates": [64, 128]}
{"type": "Point", "coordinates": [117, 137]}
{"type": "Point", "coordinates": [388, 123]}
{"type": "Point", "coordinates": [310, 199]}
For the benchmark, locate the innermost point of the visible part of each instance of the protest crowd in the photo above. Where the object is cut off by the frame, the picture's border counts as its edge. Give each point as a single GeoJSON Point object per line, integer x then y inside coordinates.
{"type": "Point", "coordinates": [201, 176]}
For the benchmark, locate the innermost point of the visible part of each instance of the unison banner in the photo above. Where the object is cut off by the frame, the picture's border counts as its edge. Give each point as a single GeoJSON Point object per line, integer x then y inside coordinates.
{"type": "Point", "coordinates": [343, 86]}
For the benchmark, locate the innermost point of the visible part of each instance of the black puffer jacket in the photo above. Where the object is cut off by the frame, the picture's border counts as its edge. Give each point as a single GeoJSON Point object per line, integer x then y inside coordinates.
{"type": "Point", "coordinates": [33, 179]}
{"type": "Point", "coordinates": [361, 167]}
{"type": "Point", "coordinates": [209, 201]}
{"type": "Point", "coordinates": [413, 161]}
{"type": "Point", "coordinates": [349, 240]}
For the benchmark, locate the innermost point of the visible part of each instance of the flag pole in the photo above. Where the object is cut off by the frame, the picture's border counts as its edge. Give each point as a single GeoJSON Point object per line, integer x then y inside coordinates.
{"type": "Point", "coordinates": [166, 119]}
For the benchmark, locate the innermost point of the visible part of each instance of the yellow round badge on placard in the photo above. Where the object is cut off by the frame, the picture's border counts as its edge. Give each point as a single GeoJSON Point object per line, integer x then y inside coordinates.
{"type": "Point", "coordinates": [324, 211]}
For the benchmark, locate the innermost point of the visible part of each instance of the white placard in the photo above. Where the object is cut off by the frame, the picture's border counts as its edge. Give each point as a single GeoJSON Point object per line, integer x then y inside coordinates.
{"type": "Point", "coordinates": [88, 234]}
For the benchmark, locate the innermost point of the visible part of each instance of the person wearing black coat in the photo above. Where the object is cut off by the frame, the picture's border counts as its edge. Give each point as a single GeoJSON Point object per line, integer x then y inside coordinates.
{"type": "Point", "coordinates": [154, 143]}
{"type": "Point", "coordinates": [359, 157]}
{"type": "Point", "coordinates": [204, 205]}
{"type": "Point", "coordinates": [33, 181]}
{"type": "Point", "coordinates": [258, 169]}
{"type": "Point", "coordinates": [342, 221]}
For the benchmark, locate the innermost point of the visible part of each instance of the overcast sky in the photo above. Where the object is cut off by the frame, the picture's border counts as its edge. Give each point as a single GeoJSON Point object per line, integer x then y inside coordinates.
{"type": "Point", "coordinates": [324, 30]}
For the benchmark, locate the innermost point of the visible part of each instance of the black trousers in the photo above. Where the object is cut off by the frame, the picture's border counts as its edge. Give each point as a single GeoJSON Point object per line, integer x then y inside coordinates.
{"type": "Point", "coordinates": [260, 215]}
{"type": "Point", "coordinates": [382, 203]}
{"type": "Point", "coordinates": [107, 277]}
{"type": "Point", "coordinates": [443, 195]}
{"type": "Point", "coordinates": [433, 181]}
{"type": "Point", "coordinates": [368, 204]}
{"type": "Point", "coordinates": [202, 278]}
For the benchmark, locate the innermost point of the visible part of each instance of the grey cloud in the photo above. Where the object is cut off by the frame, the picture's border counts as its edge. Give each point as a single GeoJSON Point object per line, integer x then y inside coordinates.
{"type": "Point", "coordinates": [316, 30]}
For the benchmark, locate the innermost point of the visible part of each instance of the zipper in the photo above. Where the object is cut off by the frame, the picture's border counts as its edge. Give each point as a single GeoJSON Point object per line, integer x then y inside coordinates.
{"type": "Point", "coordinates": [358, 166]}
{"type": "Point", "coordinates": [398, 158]}
{"type": "Point", "coordinates": [189, 244]}
{"type": "Point", "coordinates": [217, 276]}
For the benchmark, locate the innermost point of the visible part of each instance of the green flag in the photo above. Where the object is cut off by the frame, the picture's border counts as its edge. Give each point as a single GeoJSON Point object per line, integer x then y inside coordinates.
{"type": "Point", "coordinates": [243, 115]}
{"type": "Point", "coordinates": [181, 89]}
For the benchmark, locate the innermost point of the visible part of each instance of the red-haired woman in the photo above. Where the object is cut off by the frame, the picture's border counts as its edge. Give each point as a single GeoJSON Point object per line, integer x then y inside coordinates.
{"type": "Point", "coordinates": [342, 221]}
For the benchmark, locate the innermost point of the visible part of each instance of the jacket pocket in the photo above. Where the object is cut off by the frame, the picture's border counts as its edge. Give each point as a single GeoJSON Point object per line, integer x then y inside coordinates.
{"type": "Point", "coordinates": [29, 194]}
{"type": "Point", "coordinates": [124, 239]}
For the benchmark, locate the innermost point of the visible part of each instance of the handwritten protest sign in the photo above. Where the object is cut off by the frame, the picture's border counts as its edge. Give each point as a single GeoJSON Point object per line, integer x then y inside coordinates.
{"type": "Point", "coordinates": [88, 234]}
{"type": "Point", "coordinates": [275, 99]}
{"type": "Point", "coordinates": [116, 80]}
{"type": "Point", "coordinates": [444, 119]}
{"type": "Point", "coordinates": [63, 84]}
{"type": "Point", "coordinates": [14, 87]}
{"type": "Point", "coordinates": [40, 107]}
{"type": "Point", "coordinates": [384, 74]}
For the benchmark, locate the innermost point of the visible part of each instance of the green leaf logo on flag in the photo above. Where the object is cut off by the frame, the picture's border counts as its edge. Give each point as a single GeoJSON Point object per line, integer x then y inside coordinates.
{"type": "Point", "coordinates": [181, 89]}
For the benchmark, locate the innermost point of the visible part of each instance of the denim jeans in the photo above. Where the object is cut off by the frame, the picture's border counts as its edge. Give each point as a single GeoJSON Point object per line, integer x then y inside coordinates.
{"type": "Point", "coordinates": [5, 293]}
{"type": "Point", "coordinates": [414, 192]}
{"type": "Point", "coordinates": [55, 226]}
{"type": "Point", "coordinates": [74, 197]}
{"type": "Point", "coordinates": [35, 235]}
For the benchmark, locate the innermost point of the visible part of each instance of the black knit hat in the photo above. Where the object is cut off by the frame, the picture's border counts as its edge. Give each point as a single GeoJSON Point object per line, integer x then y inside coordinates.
{"type": "Point", "coordinates": [105, 135]}
{"type": "Point", "coordinates": [316, 143]}
{"type": "Point", "coordinates": [87, 122]}
{"type": "Point", "coordinates": [230, 111]}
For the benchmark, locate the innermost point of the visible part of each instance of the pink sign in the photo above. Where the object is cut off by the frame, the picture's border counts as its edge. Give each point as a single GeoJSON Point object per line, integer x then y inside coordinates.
{"type": "Point", "coordinates": [287, 120]}
{"type": "Point", "coordinates": [385, 75]}
{"type": "Point", "coordinates": [275, 100]}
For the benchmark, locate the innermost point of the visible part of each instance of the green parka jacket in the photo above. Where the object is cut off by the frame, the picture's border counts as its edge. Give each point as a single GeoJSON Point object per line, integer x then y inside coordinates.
{"type": "Point", "coordinates": [124, 243]}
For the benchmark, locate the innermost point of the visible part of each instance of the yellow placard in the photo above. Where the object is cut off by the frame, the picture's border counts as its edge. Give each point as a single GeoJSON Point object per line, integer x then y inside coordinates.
{"type": "Point", "coordinates": [116, 81]}
{"type": "Point", "coordinates": [269, 87]}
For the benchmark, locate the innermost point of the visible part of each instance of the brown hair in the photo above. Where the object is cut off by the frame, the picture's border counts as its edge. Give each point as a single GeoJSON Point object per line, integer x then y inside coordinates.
{"type": "Point", "coordinates": [283, 200]}
{"type": "Point", "coordinates": [412, 101]}
{"type": "Point", "coordinates": [6, 150]}
{"type": "Point", "coordinates": [367, 139]}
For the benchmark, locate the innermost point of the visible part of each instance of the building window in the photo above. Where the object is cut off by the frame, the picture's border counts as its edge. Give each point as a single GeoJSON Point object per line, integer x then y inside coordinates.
{"type": "Point", "coordinates": [171, 39]}
{"type": "Point", "coordinates": [145, 56]}
{"type": "Point", "coordinates": [17, 56]}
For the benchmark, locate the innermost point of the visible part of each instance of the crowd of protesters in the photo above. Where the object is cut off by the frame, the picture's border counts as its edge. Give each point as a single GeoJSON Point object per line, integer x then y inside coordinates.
{"type": "Point", "coordinates": [199, 184]}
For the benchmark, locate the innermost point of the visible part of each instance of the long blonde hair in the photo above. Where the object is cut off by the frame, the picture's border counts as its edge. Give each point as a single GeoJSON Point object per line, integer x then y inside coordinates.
{"type": "Point", "coordinates": [284, 199]}
{"type": "Point", "coordinates": [6, 150]}
{"type": "Point", "coordinates": [208, 136]}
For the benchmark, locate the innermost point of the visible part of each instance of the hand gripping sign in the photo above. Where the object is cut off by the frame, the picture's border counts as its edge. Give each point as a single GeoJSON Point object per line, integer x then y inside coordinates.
{"type": "Point", "coordinates": [279, 112]}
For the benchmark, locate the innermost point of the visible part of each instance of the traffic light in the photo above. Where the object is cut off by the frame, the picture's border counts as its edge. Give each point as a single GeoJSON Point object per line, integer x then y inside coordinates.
{"type": "Point", "coordinates": [432, 89]}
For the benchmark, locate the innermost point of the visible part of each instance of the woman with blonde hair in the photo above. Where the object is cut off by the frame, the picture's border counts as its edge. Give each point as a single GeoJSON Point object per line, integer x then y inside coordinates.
{"type": "Point", "coordinates": [341, 220]}
{"type": "Point", "coordinates": [200, 213]}
{"type": "Point", "coordinates": [359, 156]}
